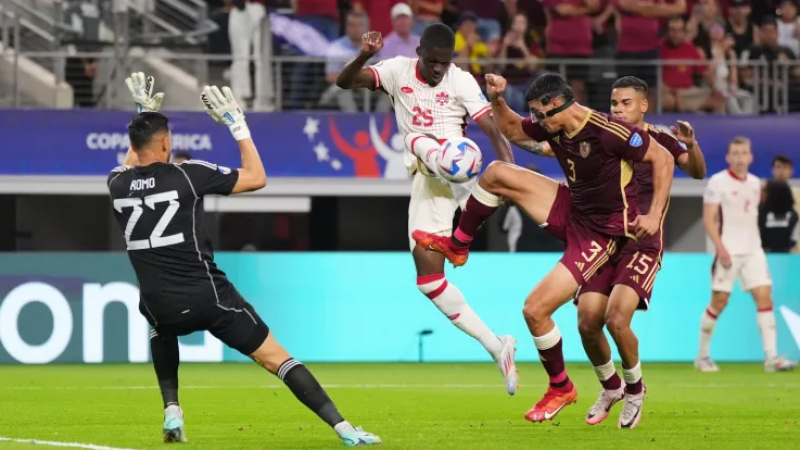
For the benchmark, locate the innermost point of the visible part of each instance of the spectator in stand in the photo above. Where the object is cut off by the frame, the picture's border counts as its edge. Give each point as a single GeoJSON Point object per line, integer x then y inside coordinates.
{"type": "Point", "coordinates": [401, 42]}
{"type": "Point", "coordinates": [726, 73]}
{"type": "Point", "coordinates": [769, 51]}
{"type": "Point", "coordinates": [679, 92]}
{"type": "Point", "coordinates": [533, 10]}
{"type": "Point", "coordinates": [789, 27]}
{"type": "Point", "coordinates": [469, 45]}
{"type": "Point", "coordinates": [638, 26]}
{"type": "Point", "coordinates": [245, 22]}
{"type": "Point", "coordinates": [777, 219]}
{"type": "Point", "coordinates": [323, 15]}
{"type": "Point", "coordinates": [518, 44]}
{"type": "Point", "coordinates": [376, 10]}
{"type": "Point", "coordinates": [339, 53]}
{"type": "Point", "coordinates": [569, 37]}
{"type": "Point", "coordinates": [741, 27]}
{"type": "Point", "coordinates": [705, 15]}
{"type": "Point", "coordinates": [488, 24]}
{"type": "Point", "coordinates": [763, 9]}
{"type": "Point", "coordinates": [426, 12]}
{"type": "Point", "coordinates": [783, 170]}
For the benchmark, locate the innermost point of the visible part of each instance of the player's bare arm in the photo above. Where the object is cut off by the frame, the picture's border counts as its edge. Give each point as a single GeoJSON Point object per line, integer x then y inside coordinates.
{"type": "Point", "coordinates": [501, 147]}
{"type": "Point", "coordinates": [711, 224]}
{"type": "Point", "coordinates": [693, 163]}
{"type": "Point", "coordinates": [355, 75]}
{"type": "Point", "coordinates": [510, 123]}
{"type": "Point", "coordinates": [663, 170]}
{"type": "Point", "coordinates": [223, 108]}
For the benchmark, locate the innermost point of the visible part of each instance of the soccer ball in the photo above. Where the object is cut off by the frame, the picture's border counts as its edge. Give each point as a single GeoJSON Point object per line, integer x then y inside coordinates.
{"type": "Point", "coordinates": [459, 160]}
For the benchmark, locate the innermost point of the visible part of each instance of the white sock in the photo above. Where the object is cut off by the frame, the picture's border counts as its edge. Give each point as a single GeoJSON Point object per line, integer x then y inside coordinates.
{"type": "Point", "coordinates": [424, 148]}
{"type": "Point", "coordinates": [707, 323]}
{"type": "Point", "coordinates": [452, 304]}
{"type": "Point", "coordinates": [605, 371]}
{"type": "Point", "coordinates": [549, 340]}
{"type": "Point", "coordinates": [632, 375]}
{"type": "Point", "coordinates": [766, 324]}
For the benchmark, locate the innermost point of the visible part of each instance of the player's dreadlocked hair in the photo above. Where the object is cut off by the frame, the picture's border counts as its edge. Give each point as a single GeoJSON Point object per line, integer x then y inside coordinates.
{"type": "Point", "coordinates": [549, 85]}
{"type": "Point", "coordinates": [144, 127]}
{"type": "Point", "coordinates": [638, 84]}
{"type": "Point", "coordinates": [438, 35]}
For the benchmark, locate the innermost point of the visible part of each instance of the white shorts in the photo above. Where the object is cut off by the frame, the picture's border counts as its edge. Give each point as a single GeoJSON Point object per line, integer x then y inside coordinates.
{"type": "Point", "coordinates": [433, 205]}
{"type": "Point", "coordinates": [751, 270]}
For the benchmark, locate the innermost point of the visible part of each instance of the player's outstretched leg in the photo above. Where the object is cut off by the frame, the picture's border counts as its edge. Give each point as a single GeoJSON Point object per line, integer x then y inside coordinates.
{"type": "Point", "coordinates": [591, 320]}
{"type": "Point", "coordinates": [622, 305]}
{"type": "Point", "coordinates": [532, 192]}
{"type": "Point", "coordinates": [166, 358]}
{"type": "Point", "coordinates": [769, 334]}
{"type": "Point", "coordinates": [554, 290]}
{"type": "Point", "coordinates": [307, 389]}
{"type": "Point", "coordinates": [708, 321]}
{"type": "Point", "coordinates": [424, 147]}
{"type": "Point", "coordinates": [451, 302]}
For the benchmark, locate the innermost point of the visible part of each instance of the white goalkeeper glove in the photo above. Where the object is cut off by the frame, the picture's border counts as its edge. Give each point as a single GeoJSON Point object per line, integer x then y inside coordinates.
{"type": "Point", "coordinates": [222, 107]}
{"type": "Point", "coordinates": [142, 92]}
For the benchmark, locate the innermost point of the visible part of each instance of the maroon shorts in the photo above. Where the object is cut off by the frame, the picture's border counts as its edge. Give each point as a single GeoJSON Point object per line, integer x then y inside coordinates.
{"type": "Point", "coordinates": [636, 266]}
{"type": "Point", "coordinates": [587, 251]}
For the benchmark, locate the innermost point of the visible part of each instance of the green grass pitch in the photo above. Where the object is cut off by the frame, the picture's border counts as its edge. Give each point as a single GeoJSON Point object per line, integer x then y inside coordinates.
{"type": "Point", "coordinates": [411, 406]}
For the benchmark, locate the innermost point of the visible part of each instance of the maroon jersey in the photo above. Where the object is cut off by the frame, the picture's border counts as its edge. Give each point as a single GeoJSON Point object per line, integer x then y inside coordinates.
{"type": "Point", "coordinates": [644, 171]}
{"type": "Point", "coordinates": [598, 162]}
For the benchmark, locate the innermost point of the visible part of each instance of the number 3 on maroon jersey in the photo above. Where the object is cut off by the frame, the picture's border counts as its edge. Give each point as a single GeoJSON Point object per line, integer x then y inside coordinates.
{"type": "Point", "coordinates": [424, 115]}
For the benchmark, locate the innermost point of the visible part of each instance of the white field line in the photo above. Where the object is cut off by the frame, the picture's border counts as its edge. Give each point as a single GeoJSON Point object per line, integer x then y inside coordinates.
{"type": "Point", "coordinates": [385, 386]}
{"type": "Point", "coordinates": [61, 444]}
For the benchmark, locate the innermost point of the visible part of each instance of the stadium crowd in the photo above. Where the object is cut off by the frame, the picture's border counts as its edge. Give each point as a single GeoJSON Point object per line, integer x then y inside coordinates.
{"type": "Point", "coordinates": [522, 38]}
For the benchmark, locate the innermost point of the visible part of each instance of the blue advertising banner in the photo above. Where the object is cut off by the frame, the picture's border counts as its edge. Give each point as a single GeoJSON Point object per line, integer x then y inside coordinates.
{"type": "Point", "coordinates": [345, 307]}
{"type": "Point", "coordinates": [300, 144]}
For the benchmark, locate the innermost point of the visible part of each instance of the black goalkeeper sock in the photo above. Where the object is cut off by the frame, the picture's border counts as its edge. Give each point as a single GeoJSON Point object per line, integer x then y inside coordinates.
{"type": "Point", "coordinates": [166, 358]}
{"type": "Point", "coordinates": [308, 390]}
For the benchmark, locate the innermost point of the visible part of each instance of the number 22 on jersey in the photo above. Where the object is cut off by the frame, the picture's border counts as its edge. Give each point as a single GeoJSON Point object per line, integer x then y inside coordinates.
{"type": "Point", "coordinates": [156, 236]}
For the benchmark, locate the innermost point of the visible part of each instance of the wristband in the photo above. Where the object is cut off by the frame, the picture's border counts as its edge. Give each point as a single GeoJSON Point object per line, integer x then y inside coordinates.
{"type": "Point", "coordinates": [240, 131]}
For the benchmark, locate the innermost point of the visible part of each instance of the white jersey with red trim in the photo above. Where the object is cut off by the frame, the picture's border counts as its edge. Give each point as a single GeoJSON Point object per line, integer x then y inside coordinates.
{"type": "Point", "coordinates": [738, 200]}
{"type": "Point", "coordinates": [439, 110]}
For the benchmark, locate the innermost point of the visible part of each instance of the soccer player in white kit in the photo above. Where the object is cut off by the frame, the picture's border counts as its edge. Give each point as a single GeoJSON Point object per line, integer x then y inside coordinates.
{"type": "Point", "coordinates": [432, 99]}
{"type": "Point", "coordinates": [730, 216]}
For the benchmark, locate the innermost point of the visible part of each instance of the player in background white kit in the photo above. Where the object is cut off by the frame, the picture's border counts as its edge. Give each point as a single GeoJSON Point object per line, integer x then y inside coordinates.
{"type": "Point", "coordinates": [730, 216]}
{"type": "Point", "coordinates": [432, 99]}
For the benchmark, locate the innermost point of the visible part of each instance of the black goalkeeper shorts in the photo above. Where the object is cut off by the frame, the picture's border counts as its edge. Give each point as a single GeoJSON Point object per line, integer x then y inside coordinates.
{"type": "Point", "coordinates": [232, 320]}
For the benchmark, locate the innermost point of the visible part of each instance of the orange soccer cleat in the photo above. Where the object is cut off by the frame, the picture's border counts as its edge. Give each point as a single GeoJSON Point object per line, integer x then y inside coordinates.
{"type": "Point", "coordinates": [554, 400]}
{"type": "Point", "coordinates": [456, 255]}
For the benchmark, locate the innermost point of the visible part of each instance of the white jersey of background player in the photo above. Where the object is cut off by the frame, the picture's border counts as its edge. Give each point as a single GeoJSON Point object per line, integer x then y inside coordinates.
{"type": "Point", "coordinates": [432, 98]}
{"type": "Point", "coordinates": [730, 216]}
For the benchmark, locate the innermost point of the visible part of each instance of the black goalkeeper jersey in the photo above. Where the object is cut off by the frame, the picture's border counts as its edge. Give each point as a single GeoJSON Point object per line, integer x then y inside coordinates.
{"type": "Point", "coordinates": [160, 211]}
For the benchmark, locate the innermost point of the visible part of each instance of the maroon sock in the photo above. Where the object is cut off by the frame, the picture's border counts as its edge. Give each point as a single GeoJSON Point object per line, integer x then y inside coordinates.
{"type": "Point", "coordinates": [472, 217]}
{"type": "Point", "coordinates": [634, 388]}
{"type": "Point", "coordinates": [553, 362]}
{"type": "Point", "coordinates": [613, 383]}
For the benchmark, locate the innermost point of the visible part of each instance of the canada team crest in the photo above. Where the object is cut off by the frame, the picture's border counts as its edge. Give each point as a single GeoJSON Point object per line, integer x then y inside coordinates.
{"type": "Point", "coordinates": [585, 149]}
{"type": "Point", "coordinates": [442, 98]}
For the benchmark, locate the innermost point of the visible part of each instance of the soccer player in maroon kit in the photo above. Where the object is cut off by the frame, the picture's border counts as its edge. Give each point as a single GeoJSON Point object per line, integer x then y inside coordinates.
{"type": "Point", "coordinates": [596, 215]}
{"type": "Point", "coordinates": [612, 296]}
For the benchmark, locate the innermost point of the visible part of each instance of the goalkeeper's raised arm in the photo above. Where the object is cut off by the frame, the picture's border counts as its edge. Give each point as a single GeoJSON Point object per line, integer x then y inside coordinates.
{"type": "Point", "coordinates": [223, 108]}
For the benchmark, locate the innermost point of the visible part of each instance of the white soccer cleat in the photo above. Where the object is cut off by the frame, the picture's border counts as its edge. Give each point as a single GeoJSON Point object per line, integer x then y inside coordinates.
{"type": "Point", "coordinates": [507, 365]}
{"type": "Point", "coordinates": [632, 410]}
{"type": "Point", "coordinates": [599, 411]}
{"type": "Point", "coordinates": [355, 436]}
{"type": "Point", "coordinates": [779, 364]}
{"type": "Point", "coordinates": [173, 424]}
{"type": "Point", "coordinates": [706, 365]}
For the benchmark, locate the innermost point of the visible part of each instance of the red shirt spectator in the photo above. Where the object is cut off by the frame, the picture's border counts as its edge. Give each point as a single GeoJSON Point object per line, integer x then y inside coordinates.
{"type": "Point", "coordinates": [568, 32]}
{"type": "Point", "coordinates": [639, 22]}
{"type": "Point", "coordinates": [680, 76]}
{"type": "Point", "coordinates": [485, 9]}
{"type": "Point", "coordinates": [722, 4]}
{"type": "Point", "coordinates": [421, 7]}
{"type": "Point", "coordinates": [379, 14]}
{"type": "Point", "coordinates": [327, 8]}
